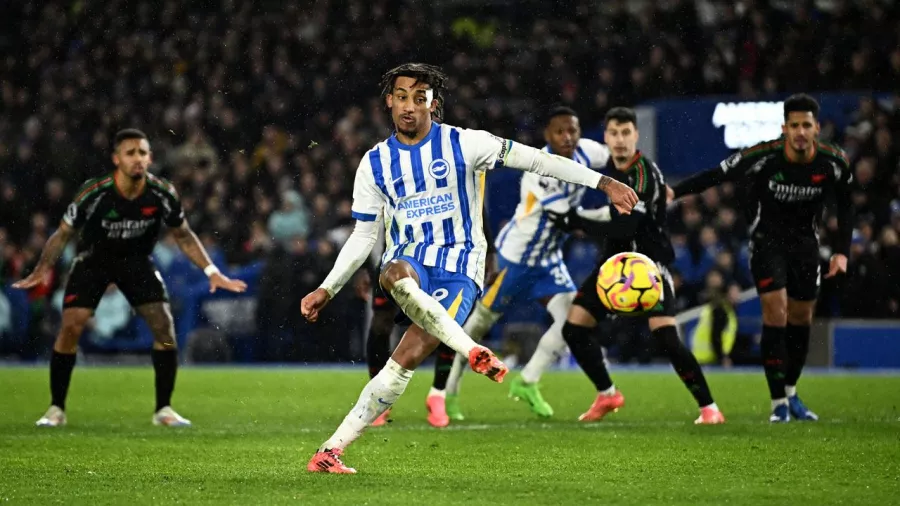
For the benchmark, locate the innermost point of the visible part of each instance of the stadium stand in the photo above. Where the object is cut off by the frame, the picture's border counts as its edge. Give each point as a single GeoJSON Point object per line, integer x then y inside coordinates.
{"type": "Point", "coordinates": [260, 111]}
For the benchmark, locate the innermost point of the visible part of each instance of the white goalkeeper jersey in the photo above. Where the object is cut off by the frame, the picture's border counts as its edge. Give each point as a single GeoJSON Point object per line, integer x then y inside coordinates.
{"type": "Point", "coordinates": [431, 196]}
{"type": "Point", "coordinates": [529, 237]}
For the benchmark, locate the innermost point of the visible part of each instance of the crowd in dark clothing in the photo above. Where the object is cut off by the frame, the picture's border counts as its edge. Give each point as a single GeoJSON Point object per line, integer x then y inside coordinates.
{"type": "Point", "coordinates": [259, 111]}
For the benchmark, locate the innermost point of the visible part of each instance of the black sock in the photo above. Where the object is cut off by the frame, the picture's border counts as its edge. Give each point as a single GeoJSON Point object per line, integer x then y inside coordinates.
{"type": "Point", "coordinates": [61, 365]}
{"type": "Point", "coordinates": [443, 363]}
{"type": "Point", "coordinates": [165, 364]}
{"type": "Point", "coordinates": [774, 355]}
{"type": "Point", "coordinates": [796, 339]}
{"type": "Point", "coordinates": [588, 353]}
{"type": "Point", "coordinates": [685, 364]}
{"type": "Point", "coordinates": [378, 347]}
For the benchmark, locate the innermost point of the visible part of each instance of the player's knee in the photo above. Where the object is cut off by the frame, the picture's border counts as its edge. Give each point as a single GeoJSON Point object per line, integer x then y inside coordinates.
{"type": "Point", "coordinates": [163, 331]}
{"type": "Point", "coordinates": [73, 325]}
{"type": "Point", "coordinates": [394, 271]}
{"type": "Point", "coordinates": [800, 314]}
{"type": "Point", "coordinates": [580, 316]}
{"type": "Point", "coordinates": [774, 310]}
{"type": "Point", "coordinates": [775, 316]}
{"type": "Point", "coordinates": [658, 322]}
{"type": "Point", "coordinates": [69, 335]}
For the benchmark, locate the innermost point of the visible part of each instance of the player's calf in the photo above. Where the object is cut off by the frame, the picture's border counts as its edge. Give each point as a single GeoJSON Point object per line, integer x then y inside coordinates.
{"type": "Point", "coordinates": [62, 362]}
{"type": "Point", "coordinates": [379, 394]}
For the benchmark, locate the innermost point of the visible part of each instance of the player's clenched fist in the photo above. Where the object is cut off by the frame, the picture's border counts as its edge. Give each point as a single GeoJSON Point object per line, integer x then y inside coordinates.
{"type": "Point", "coordinates": [313, 303]}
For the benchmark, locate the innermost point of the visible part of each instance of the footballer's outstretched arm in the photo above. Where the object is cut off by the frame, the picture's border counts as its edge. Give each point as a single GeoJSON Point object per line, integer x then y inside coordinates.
{"type": "Point", "coordinates": [731, 169]}
{"type": "Point", "coordinates": [367, 209]}
{"type": "Point", "coordinates": [354, 253]}
{"type": "Point", "coordinates": [519, 156]}
{"type": "Point", "coordinates": [698, 183]}
{"type": "Point", "coordinates": [190, 245]}
{"type": "Point", "coordinates": [599, 222]}
{"type": "Point", "coordinates": [49, 256]}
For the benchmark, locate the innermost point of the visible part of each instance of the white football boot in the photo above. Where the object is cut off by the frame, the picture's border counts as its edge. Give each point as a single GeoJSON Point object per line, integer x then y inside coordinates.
{"type": "Point", "coordinates": [168, 417]}
{"type": "Point", "coordinates": [54, 417]}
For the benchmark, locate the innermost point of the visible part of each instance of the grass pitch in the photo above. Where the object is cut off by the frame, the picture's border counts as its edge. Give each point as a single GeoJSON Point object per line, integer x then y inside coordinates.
{"type": "Point", "coordinates": [255, 429]}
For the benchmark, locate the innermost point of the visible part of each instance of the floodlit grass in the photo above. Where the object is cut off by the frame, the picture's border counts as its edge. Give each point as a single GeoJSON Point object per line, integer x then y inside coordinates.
{"type": "Point", "coordinates": [255, 430]}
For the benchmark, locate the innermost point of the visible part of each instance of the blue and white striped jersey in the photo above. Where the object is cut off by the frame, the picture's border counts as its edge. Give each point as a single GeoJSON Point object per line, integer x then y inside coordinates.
{"type": "Point", "coordinates": [431, 196]}
{"type": "Point", "coordinates": [529, 237]}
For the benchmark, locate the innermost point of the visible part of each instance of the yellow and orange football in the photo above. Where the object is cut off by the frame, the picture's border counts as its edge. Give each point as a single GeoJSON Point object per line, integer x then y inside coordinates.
{"type": "Point", "coordinates": [629, 283]}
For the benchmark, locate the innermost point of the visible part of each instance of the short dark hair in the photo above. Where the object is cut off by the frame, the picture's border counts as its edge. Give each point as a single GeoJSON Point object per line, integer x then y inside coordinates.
{"type": "Point", "coordinates": [621, 115]}
{"type": "Point", "coordinates": [558, 110]}
{"type": "Point", "coordinates": [801, 102]}
{"type": "Point", "coordinates": [128, 133]}
{"type": "Point", "coordinates": [431, 75]}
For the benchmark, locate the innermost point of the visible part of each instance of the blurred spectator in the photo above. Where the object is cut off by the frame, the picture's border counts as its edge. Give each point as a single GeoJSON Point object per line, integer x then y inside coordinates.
{"type": "Point", "coordinates": [291, 220]}
{"type": "Point", "coordinates": [869, 291]}
{"type": "Point", "coordinates": [245, 101]}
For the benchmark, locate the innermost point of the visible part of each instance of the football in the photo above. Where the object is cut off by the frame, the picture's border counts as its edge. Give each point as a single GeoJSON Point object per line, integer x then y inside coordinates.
{"type": "Point", "coordinates": [629, 284]}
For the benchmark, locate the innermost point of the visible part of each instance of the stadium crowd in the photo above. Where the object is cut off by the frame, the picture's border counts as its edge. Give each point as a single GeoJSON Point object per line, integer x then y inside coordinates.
{"type": "Point", "coordinates": [259, 112]}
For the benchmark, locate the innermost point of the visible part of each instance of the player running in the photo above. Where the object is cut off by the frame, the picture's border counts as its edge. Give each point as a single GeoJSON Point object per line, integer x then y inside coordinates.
{"type": "Point", "coordinates": [531, 267]}
{"type": "Point", "coordinates": [119, 217]}
{"type": "Point", "coordinates": [787, 183]}
{"type": "Point", "coordinates": [643, 231]}
{"type": "Point", "coordinates": [426, 181]}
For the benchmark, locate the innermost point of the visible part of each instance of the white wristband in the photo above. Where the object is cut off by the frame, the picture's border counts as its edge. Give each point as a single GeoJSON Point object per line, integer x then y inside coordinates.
{"type": "Point", "coordinates": [210, 270]}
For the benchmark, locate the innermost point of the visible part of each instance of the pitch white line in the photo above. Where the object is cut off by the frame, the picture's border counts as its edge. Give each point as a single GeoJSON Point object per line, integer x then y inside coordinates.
{"type": "Point", "coordinates": [473, 427]}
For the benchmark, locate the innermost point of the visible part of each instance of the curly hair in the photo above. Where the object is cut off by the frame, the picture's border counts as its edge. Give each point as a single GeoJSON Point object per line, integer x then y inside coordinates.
{"type": "Point", "coordinates": [422, 73]}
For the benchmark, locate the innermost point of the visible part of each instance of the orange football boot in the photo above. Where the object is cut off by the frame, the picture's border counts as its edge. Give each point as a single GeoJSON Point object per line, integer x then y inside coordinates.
{"type": "Point", "coordinates": [382, 419]}
{"type": "Point", "coordinates": [603, 405]}
{"type": "Point", "coordinates": [710, 416]}
{"type": "Point", "coordinates": [483, 361]}
{"type": "Point", "coordinates": [329, 461]}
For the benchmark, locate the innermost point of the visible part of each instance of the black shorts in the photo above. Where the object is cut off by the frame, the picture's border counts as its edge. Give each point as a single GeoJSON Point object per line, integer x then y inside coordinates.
{"type": "Point", "coordinates": [588, 299]}
{"type": "Point", "coordinates": [380, 301]}
{"type": "Point", "coordinates": [795, 267]}
{"type": "Point", "coordinates": [136, 277]}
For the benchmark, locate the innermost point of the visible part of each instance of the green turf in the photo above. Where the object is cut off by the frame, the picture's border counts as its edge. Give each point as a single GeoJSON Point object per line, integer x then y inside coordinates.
{"type": "Point", "coordinates": [255, 430]}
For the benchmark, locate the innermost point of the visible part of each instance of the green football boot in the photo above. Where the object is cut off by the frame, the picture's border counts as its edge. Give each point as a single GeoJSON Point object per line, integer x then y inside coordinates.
{"type": "Point", "coordinates": [530, 393]}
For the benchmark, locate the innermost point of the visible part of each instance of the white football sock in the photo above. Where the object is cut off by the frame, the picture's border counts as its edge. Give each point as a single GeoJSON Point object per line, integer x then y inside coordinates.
{"type": "Point", "coordinates": [456, 373]}
{"type": "Point", "coordinates": [779, 402]}
{"type": "Point", "coordinates": [790, 390]}
{"type": "Point", "coordinates": [609, 391]}
{"type": "Point", "coordinates": [378, 396]}
{"type": "Point", "coordinates": [552, 345]}
{"type": "Point", "coordinates": [713, 406]}
{"type": "Point", "coordinates": [477, 326]}
{"type": "Point", "coordinates": [431, 316]}
{"type": "Point", "coordinates": [435, 391]}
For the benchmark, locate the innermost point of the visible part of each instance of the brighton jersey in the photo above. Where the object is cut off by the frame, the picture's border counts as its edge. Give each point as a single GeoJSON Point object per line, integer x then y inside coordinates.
{"type": "Point", "coordinates": [529, 238]}
{"type": "Point", "coordinates": [430, 196]}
